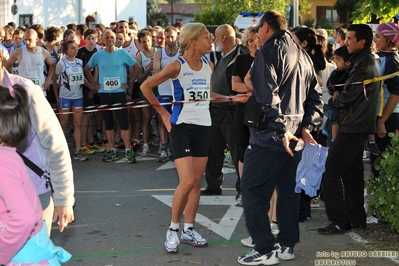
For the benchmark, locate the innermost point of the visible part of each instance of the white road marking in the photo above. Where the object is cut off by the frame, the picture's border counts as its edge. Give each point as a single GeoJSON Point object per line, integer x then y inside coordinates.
{"type": "Point", "coordinates": [227, 224]}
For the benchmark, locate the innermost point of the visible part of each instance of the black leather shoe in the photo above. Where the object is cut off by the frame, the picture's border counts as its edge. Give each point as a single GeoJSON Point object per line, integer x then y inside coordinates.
{"type": "Point", "coordinates": [333, 229]}
{"type": "Point", "coordinates": [209, 192]}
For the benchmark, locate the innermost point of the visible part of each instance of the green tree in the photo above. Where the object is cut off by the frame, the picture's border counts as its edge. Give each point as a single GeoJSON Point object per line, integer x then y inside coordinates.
{"type": "Point", "coordinates": [154, 14]}
{"type": "Point", "coordinates": [152, 7]}
{"type": "Point", "coordinates": [345, 8]}
{"type": "Point", "coordinates": [384, 10]}
{"type": "Point", "coordinates": [213, 16]}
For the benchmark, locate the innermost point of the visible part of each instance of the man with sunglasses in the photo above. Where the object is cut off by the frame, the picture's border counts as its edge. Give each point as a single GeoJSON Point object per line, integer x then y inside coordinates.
{"type": "Point", "coordinates": [284, 82]}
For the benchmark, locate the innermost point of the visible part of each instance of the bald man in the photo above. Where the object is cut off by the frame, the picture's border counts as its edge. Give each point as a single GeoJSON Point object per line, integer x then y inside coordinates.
{"type": "Point", "coordinates": [31, 60]}
{"type": "Point", "coordinates": [222, 113]}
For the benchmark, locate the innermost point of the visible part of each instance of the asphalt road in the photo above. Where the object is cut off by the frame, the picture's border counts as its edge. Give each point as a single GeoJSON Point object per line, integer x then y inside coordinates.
{"type": "Point", "coordinates": [123, 212]}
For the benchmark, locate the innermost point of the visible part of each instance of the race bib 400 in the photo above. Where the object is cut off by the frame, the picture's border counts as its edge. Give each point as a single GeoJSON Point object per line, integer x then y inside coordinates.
{"type": "Point", "coordinates": [112, 83]}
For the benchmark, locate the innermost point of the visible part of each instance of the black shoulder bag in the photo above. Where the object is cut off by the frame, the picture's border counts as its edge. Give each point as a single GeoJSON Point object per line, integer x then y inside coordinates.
{"type": "Point", "coordinates": [253, 113]}
{"type": "Point", "coordinates": [37, 170]}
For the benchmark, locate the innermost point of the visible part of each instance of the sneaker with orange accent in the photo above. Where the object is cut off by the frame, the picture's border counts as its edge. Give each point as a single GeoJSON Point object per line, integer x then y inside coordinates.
{"type": "Point", "coordinates": [98, 148]}
{"type": "Point", "coordinates": [87, 149]}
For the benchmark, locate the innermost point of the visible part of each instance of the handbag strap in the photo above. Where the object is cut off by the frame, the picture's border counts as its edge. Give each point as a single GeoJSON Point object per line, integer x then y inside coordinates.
{"type": "Point", "coordinates": [31, 165]}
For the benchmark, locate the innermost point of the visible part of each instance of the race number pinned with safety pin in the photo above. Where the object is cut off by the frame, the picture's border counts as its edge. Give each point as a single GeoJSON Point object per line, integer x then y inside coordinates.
{"type": "Point", "coordinates": [76, 78]}
{"type": "Point", "coordinates": [200, 93]}
{"type": "Point", "coordinates": [112, 83]}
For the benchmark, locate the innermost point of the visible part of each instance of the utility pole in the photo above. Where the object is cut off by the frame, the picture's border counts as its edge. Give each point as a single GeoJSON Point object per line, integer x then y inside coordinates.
{"type": "Point", "coordinates": [171, 11]}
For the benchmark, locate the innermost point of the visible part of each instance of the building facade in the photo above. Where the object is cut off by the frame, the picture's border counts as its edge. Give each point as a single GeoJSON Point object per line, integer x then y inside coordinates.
{"type": "Point", "coordinates": [59, 13]}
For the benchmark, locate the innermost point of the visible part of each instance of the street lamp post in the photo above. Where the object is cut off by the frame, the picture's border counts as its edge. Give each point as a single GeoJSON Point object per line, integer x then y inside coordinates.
{"type": "Point", "coordinates": [288, 14]}
{"type": "Point", "coordinates": [171, 11]}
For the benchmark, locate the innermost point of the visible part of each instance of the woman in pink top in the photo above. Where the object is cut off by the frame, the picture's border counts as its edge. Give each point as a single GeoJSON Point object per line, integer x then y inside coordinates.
{"type": "Point", "coordinates": [23, 237]}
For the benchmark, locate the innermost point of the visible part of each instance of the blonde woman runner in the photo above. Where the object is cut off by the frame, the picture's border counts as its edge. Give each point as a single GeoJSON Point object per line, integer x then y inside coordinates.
{"type": "Point", "coordinates": [189, 127]}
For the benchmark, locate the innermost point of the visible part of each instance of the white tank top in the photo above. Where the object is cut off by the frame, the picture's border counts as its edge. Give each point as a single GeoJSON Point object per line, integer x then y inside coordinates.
{"type": "Point", "coordinates": [164, 88]}
{"type": "Point", "coordinates": [31, 66]}
{"type": "Point", "coordinates": [145, 62]}
{"type": "Point", "coordinates": [192, 86]}
{"type": "Point", "coordinates": [132, 49]}
{"type": "Point", "coordinates": [72, 78]}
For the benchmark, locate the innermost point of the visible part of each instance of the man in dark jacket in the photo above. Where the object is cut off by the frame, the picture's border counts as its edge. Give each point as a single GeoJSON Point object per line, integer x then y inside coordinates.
{"type": "Point", "coordinates": [285, 83]}
{"type": "Point", "coordinates": [222, 113]}
{"type": "Point", "coordinates": [343, 184]}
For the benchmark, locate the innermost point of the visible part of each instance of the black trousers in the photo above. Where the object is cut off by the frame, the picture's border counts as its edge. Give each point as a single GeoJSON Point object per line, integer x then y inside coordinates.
{"type": "Point", "coordinates": [222, 133]}
{"type": "Point", "coordinates": [343, 180]}
{"type": "Point", "coordinates": [264, 170]}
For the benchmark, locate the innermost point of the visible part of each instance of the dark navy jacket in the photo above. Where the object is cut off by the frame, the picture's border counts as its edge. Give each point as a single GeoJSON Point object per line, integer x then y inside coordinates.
{"type": "Point", "coordinates": [297, 104]}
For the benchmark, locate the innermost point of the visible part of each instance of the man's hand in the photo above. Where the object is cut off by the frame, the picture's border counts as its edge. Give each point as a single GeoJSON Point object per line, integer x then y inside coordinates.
{"type": "Point", "coordinates": [286, 142]}
{"type": "Point", "coordinates": [307, 137]}
{"type": "Point", "coordinates": [236, 79]}
{"type": "Point", "coordinates": [96, 86]}
{"type": "Point", "coordinates": [46, 85]}
{"type": "Point", "coordinates": [381, 130]}
{"type": "Point", "coordinates": [64, 215]}
{"type": "Point", "coordinates": [335, 95]}
{"type": "Point", "coordinates": [241, 98]}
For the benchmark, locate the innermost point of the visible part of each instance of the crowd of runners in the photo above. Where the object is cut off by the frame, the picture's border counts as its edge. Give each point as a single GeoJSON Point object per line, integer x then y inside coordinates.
{"type": "Point", "coordinates": [194, 94]}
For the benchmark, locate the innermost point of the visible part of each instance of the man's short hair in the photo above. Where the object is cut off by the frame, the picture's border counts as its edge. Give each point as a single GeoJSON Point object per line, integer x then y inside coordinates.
{"type": "Point", "coordinates": [52, 33]}
{"type": "Point", "coordinates": [9, 29]}
{"type": "Point", "coordinates": [71, 26]}
{"type": "Point", "coordinates": [275, 20]}
{"type": "Point", "coordinates": [342, 34]}
{"type": "Point", "coordinates": [171, 28]}
{"type": "Point", "coordinates": [90, 32]}
{"type": "Point", "coordinates": [100, 26]}
{"type": "Point", "coordinates": [143, 33]}
{"type": "Point", "coordinates": [178, 24]}
{"type": "Point", "coordinates": [12, 24]}
{"type": "Point", "coordinates": [82, 28]}
{"type": "Point", "coordinates": [18, 32]}
{"type": "Point", "coordinates": [39, 29]}
{"type": "Point", "coordinates": [362, 31]}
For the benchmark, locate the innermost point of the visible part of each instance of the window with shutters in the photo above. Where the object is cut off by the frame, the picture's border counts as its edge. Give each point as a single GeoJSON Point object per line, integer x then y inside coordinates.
{"type": "Point", "coordinates": [25, 19]}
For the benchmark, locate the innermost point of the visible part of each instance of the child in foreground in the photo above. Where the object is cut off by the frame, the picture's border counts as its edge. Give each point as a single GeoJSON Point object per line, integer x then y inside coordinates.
{"type": "Point", "coordinates": [23, 237]}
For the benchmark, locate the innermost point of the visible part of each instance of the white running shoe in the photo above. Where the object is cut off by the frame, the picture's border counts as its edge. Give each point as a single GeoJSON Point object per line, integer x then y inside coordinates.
{"type": "Point", "coordinates": [172, 241]}
{"type": "Point", "coordinates": [193, 238]}
{"type": "Point", "coordinates": [79, 156]}
{"type": "Point", "coordinates": [146, 150]}
{"type": "Point", "coordinates": [248, 242]}
{"type": "Point", "coordinates": [285, 253]}
{"type": "Point", "coordinates": [274, 228]}
{"type": "Point", "coordinates": [254, 258]}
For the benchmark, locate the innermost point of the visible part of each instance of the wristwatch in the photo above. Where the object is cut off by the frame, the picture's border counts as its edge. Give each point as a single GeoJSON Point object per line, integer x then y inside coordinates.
{"type": "Point", "coordinates": [231, 101]}
{"type": "Point", "coordinates": [310, 127]}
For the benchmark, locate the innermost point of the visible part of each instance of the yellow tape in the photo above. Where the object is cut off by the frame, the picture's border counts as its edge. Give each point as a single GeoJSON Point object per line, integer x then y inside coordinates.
{"type": "Point", "coordinates": [369, 81]}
